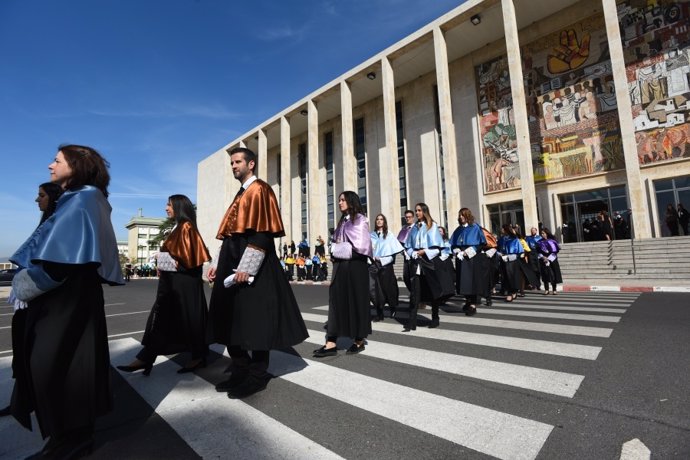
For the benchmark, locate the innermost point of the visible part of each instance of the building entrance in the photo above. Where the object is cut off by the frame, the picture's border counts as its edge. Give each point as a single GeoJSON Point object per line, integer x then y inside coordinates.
{"type": "Point", "coordinates": [506, 213]}
{"type": "Point", "coordinates": [672, 192]}
{"type": "Point", "coordinates": [580, 210]}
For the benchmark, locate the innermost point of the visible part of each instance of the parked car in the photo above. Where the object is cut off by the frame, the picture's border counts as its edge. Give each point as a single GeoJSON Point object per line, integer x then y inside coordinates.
{"type": "Point", "coordinates": [6, 276]}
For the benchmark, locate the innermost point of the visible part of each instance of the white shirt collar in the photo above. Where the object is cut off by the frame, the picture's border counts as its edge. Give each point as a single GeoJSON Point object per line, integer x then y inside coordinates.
{"type": "Point", "coordinates": [248, 182]}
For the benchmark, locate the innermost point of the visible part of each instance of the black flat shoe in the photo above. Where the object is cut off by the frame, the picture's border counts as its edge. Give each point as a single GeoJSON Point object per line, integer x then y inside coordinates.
{"type": "Point", "coordinates": [408, 329]}
{"type": "Point", "coordinates": [471, 310]}
{"type": "Point", "coordinates": [145, 367]}
{"type": "Point", "coordinates": [235, 380]}
{"type": "Point", "coordinates": [433, 324]}
{"type": "Point", "coordinates": [250, 386]}
{"type": "Point", "coordinates": [354, 349]}
{"type": "Point", "coordinates": [187, 369]}
{"type": "Point", "coordinates": [323, 352]}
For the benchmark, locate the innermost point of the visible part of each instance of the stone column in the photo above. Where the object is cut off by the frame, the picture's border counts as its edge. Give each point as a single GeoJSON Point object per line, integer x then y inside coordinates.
{"type": "Point", "coordinates": [450, 153]}
{"type": "Point", "coordinates": [388, 161]}
{"type": "Point", "coordinates": [636, 195]}
{"type": "Point", "coordinates": [316, 178]}
{"type": "Point", "coordinates": [285, 178]}
{"type": "Point", "coordinates": [262, 154]}
{"type": "Point", "coordinates": [349, 171]}
{"type": "Point", "coordinates": [517, 89]}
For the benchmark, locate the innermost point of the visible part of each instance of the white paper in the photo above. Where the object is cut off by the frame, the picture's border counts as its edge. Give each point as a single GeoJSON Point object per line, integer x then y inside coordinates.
{"type": "Point", "coordinates": [230, 281]}
{"type": "Point", "coordinates": [470, 252]}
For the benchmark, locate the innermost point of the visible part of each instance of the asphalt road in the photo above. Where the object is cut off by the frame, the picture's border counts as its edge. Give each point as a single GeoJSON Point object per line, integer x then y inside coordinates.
{"type": "Point", "coordinates": [571, 376]}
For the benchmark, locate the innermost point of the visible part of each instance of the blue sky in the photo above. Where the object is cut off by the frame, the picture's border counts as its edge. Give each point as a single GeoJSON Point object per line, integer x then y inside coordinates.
{"type": "Point", "coordinates": [158, 85]}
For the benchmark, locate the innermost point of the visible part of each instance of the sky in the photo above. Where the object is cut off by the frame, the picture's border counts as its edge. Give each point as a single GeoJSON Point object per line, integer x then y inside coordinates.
{"type": "Point", "coordinates": [156, 86]}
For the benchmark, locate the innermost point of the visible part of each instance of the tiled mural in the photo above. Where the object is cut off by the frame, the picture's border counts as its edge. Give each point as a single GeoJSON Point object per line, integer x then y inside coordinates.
{"type": "Point", "coordinates": [656, 42]}
{"type": "Point", "coordinates": [497, 127]}
{"type": "Point", "coordinates": [572, 102]}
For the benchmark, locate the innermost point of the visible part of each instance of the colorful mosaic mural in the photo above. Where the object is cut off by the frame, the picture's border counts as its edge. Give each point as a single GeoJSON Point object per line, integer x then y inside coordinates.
{"type": "Point", "coordinates": [497, 126]}
{"type": "Point", "coordinates": [656, 42]}
{"type": "Point", "coordinates": [572, 102]}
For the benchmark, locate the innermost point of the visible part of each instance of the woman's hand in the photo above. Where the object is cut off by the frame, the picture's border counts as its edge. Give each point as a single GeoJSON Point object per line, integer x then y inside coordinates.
{"type": "Point", "coordinates": [211, 275]}
{"type": "Point", "coordinates": [421, 252]}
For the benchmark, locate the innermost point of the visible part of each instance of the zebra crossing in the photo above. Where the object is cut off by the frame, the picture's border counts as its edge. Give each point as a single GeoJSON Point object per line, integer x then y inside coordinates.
{"type": "Point", "coordinates": [387, 384]}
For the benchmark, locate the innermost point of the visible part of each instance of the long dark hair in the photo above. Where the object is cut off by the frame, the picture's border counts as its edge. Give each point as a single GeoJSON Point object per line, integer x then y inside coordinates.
{"type": "Point", "coordinates": [183, 209]}
{"type": "Point", "coordinates": [88, 167]}
{"type": "Point", "coordinates": [385, 225]}
{"type": "Point", "coordinates": [549, 235]}
{"type": "Point", "coordinates": [354, 206]}
{"type": "Point", "coordinates": [54, 192]}
{"type": "Point", "coordinates": [427, 215]}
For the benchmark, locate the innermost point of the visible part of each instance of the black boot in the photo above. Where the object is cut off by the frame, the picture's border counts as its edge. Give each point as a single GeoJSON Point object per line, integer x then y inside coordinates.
{"type": "Point", "coordinates": [379, 314]}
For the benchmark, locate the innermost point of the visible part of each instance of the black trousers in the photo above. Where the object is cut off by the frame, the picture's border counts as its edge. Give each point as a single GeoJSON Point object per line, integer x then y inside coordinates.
{"type": "Point", "coordinates": [255, 365]}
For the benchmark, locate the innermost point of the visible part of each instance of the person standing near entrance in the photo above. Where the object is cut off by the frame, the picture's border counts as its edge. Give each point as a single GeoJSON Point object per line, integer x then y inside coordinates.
{"type": "Point", "coordinates": [252, 307]}
{"type": "Point", "coordinates": [683, 217]}
{"type": "Point", "coordinates": [671, 219]}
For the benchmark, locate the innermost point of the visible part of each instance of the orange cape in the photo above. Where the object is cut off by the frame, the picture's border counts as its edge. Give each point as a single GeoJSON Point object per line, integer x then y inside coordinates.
{"type": "Point", "coordinates": [256, 209]}
{"type": "Point", "coordinates": [186, 246]}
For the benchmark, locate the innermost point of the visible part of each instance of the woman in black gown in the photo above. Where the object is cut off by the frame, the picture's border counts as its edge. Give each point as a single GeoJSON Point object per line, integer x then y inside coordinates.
{"type": "Point", "coordinates": [66, 359]}
{"type": "Point", "coordinates": [177, 321]}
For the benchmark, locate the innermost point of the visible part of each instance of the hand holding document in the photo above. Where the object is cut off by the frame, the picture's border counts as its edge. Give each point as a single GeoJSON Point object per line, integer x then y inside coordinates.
{"type": "Point", "coordinates": [230, 281]}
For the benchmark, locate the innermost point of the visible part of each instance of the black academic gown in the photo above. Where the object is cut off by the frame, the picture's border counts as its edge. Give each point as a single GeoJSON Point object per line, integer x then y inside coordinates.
{"type": "Point", "coordinates": [263, 315]}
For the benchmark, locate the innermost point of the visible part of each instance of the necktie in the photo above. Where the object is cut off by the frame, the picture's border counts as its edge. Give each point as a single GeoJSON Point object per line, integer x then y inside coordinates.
{"type": "Point", "coordinates": [239, 192]}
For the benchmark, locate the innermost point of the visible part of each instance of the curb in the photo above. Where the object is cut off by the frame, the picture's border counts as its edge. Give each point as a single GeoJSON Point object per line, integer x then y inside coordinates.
{"type": "Point", "coordinates": [585, 288]}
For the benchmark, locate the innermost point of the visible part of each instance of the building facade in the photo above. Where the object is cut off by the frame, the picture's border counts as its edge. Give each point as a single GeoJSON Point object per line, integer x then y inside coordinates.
{"type": "Point", "coordinates": [140, 231]}
{"type": "Point", "coordinates": [525, 111]}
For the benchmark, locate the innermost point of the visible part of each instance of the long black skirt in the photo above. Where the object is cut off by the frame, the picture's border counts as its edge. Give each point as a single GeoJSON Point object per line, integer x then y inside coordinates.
{"type": "Point", "coordinates": [177, 321]}
{"type": "Point", "coordinates": [66, 361]}
{"type": "Point", "coordinates": [472, 276]}
{"type": "Point", "coordinates": [550, 273]}
{"type": "Point", "coordinates": [383, 286]}
{"type": "Point", "coordinates": [513, 276]}
{"type": "Point", "coordinates": [527, 272]}
{"type": "Point", "coordinates": [435, 280]}
{"type": "Point", "coordinates": [348, 299]}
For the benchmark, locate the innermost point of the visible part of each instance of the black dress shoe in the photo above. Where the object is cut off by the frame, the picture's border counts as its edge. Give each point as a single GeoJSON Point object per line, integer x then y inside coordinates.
{"type": "Point", "coordinates": [408, 328]}
{"type": "Point", "coordinates": [235, 380]}
{"type": "Point", "coordinates": [146, 367]}
{"type": "Point", "coordinates": [323, 352]}
{"type": "Point", "coordinates": [434, 323]}
{"type": "Point", "coordinates": [471, 310]}
{"type": "Point", "coordinates": [250, 386]}
{"type": "Point", "coordinates": [187, 369]}
{"type": "Point", "coordinates": [354, 349]}
{"type": "Point", "coordinates": [5, 412]}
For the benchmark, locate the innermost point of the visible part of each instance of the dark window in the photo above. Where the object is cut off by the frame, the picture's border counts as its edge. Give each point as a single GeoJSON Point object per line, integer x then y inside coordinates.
{"type": "Point", "coordinates": [302, 169]}
{"type": "Point", "coordinates": [401, 159]}
{"type": "Point", "coordinates": [437, 116]}
{"type": "Point", "coordinates": [330, 199]}
{"type": "Point", "coordinates": [361, 162]}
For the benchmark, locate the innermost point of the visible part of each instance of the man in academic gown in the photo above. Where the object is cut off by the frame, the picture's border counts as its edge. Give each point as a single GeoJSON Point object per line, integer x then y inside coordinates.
{"type": "Point", "coordinates": [252, 306]}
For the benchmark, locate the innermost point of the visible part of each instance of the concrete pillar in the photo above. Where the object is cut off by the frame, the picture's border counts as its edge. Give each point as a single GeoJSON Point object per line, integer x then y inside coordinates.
{"type": "Point", "coordinates": [349, 171]}
{"type": "Point", "coordinates": [389, 191]}
{"type": "Point", "coordinates": [317, 212]}
{"type": "Point", "coordinates": [262, 154]}
{"type": "Point", "coordinates": [517, 89]}
{"type": "Point", "coordinates": [450, 152]}
{"type": "Point", "coordinates": [636, 195]}
{"type": "Point", "coordinates": [285, 178]}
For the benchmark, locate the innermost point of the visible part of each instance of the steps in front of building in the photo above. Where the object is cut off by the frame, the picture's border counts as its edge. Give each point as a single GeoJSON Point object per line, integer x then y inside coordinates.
{"type": "Point", "coordinates": [649, 258]}
{"type": "Point", "coordinates": [654, 258]}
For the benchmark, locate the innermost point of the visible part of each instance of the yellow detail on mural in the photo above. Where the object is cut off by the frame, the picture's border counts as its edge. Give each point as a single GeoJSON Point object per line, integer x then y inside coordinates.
{"type": "Point", "coordinates": [570, 54]}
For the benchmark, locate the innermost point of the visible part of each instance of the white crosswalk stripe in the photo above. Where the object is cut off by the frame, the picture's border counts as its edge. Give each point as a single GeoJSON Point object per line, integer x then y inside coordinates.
{"type": "Point", "coordinates": [201, 417]}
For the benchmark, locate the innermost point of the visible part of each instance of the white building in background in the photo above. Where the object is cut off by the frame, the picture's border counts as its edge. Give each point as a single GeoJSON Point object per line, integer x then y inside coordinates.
{"type": "Point", "coordinates": [123, 248]}
{"type": "Point", "coordinates": [141, 230]}
{"type": "Point", "coordinates": [525, 111]}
